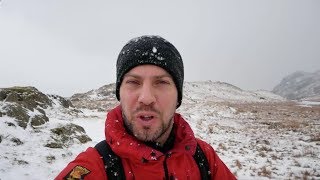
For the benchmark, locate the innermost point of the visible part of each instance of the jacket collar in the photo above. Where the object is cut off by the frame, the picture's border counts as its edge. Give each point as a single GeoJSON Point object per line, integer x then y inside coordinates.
{"type": "Point", "coordinates": [127, 146]}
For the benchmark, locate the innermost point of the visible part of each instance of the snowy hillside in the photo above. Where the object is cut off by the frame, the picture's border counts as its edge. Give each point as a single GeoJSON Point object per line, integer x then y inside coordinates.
{"type": "Point", "coordinates": [221, 91]}
{"type": "Point", "coordinates": [258, 134]}
{"type": "Point", "coordinates": [102, 99]}
{"type": "Point", "coordinates": [300, 85]}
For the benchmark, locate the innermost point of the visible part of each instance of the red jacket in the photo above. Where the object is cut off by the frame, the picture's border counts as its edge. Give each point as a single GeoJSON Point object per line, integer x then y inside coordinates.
{"type": "Point", "coordinates": [180, 163]}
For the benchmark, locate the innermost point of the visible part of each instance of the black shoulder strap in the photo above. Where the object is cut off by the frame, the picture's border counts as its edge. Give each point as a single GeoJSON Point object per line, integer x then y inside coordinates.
{"type": "Point", "coordinates": [114, 168]}
{"type": "Point", "coordinates": [112, 162]}
{"type": "Point", "coordinates": [202, 163]}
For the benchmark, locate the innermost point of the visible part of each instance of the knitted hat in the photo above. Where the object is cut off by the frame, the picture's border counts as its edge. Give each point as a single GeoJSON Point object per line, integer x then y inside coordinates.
{"type": "Point", "coordinates": [151, 50]}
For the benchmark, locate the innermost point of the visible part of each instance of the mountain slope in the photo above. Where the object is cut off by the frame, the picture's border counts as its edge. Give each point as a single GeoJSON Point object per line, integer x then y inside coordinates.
{"type": "Point", "coordinates": [221, 91]}
{"type": "Point", "coordinates": [103, 99]}
{"type": "Point", "coordinates": [300, 85]}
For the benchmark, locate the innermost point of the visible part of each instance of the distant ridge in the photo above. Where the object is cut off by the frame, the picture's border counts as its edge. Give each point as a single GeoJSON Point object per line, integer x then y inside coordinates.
{"type": "Point", "coordinates": [300, 86]}
{"type": "Point", "coordinates": [221, 91]}
{"type": "Point", "coordinates": [104, 97]}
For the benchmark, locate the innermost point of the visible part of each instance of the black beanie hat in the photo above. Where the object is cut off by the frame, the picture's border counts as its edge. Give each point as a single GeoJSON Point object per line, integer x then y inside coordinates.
{"type": "Point", "coordinates": [151, 50]}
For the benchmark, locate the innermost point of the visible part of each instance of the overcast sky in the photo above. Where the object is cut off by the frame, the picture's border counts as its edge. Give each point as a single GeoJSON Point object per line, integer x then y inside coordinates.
{"type": "Point", "coordinates": [70, 46]}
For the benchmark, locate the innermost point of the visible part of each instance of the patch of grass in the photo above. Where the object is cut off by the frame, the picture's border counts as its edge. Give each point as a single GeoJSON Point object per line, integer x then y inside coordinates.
{"type": "Point", "coordinates": [296, 163]}
{"type": "Point", "coordinates": [262, 154]}
{"type": "Point", "coordinates": [265, 148]}
{"type": "Point", "coordinates": [274, 157]}
{"type": "Point", "coordinates": [222, 146]}
{"type": "Point", "coordinates": [305, 175]}
{"type": "Point", "coordinates": [264, 172]}
{"type": "Point", "coordinates": [238, 164]}
{"type": "Point", "coordinates": [315, 137]}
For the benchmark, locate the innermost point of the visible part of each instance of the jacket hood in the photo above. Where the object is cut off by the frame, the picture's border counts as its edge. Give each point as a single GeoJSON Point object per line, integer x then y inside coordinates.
{"type": "Point", "coordinates": [127, 146]}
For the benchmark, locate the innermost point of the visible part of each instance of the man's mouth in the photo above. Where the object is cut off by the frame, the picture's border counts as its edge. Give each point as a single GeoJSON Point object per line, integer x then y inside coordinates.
{"type": "Point", "coordinates": [146, 117]}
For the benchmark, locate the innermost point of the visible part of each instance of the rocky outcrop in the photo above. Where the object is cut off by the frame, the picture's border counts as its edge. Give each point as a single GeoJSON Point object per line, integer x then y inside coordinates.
{"type": "Point", "coordinates": [28, 107]}
{"type": "Point", "coordinates": [102, 99]}
{"type": "Point", "coordinates": [64, 102]}
{"type": "Point", "coordinates": [28, 97]}
{"type": "Point", "coordinates": [64, 136]}
{"type": "Point", "coordinates": [25, 104]}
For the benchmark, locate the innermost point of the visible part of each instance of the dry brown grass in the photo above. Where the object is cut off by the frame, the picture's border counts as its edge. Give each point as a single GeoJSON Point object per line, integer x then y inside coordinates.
{"type": "Point", "coordinates": [264, 172]}
{"type": "Point", "coordinates": [222, 147]}
{"type": "Point", "coordinates": [305, 175]}
{"type": "Point", "coordinates": [315, 137]}
{"type": "Point", "coordinates": [238, 164]}
{"type": "Point", "coordinates": [279, 134]}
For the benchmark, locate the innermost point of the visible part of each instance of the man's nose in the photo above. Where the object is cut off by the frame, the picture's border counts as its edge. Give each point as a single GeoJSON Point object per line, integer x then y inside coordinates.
{"type": "Point", "coordinates": [147, 95]}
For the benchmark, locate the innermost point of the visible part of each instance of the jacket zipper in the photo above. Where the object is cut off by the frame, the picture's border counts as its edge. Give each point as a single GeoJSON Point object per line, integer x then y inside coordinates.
{"type": "Point", "coordinates": [166, 167]}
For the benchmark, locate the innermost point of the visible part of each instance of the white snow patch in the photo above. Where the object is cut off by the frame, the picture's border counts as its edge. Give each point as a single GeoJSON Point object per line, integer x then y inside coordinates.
{"type": "Point", "coordinates": [154, 50]}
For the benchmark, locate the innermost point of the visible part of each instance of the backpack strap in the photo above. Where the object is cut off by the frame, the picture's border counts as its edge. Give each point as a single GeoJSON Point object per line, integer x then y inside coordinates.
{"type": "Point", "coordinates": [202, 163]}
{"type": "Point", "coordinates": [114, 168]}
{"type": "Point", "coordinates": [112, 162]}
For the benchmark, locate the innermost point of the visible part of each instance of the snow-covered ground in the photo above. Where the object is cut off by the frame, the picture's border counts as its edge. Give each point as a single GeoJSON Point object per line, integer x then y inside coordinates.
{"type": "Point", "coordinates": [262, 140]}
{"type": "Point", "coordinates": [257, 134]}
{"type": "Point", "coordinates": [248, 146]}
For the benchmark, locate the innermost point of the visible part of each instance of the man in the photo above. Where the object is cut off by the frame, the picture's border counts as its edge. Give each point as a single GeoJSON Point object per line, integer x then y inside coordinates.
{"type": "Point", "coordinates": [151, 140]}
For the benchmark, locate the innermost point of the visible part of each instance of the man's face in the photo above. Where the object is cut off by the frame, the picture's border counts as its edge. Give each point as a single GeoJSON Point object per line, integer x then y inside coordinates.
{"type": "Point", "coordinates": [148, 98]}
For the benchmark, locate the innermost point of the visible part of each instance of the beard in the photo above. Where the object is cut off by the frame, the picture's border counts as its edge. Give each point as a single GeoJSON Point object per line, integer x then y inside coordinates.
{"type": "Point", "coordinates": [146, 133]}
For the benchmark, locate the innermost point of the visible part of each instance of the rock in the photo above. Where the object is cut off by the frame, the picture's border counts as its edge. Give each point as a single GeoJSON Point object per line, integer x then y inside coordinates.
{"type": "Point", "coordinates": [29, 97]}
{"type": "Point", "coordinates": [84, 138]}
{"type": "Point", "coordinates": [20, 101]}
{"type": "Point", "coordinates": [101, 99]}
{"type": "Point", "coordinates": [3, 95]}
{"type": "Point", "coordinates": [64, 136]}
{"type": "Point", "coordinates": [64, 102]}
{"type": "Point", "coordinates": [19, 113]}
{"type": "Point", "coordinates": [10, 124]}
{"type": "Point", "coordinates": [38, 120]}
{"type": "Point", "coordinates": [13, 97]}
{"type": "Point", "coordinates": [20, 162]}
{"type": "Point", "coordinates": [54, 145]}
{"type": "Point", "coordinates": [22, 117]}
{"type": "Point", "coordinates": [50, 159]}
{"type": "Point", "coordinates": [17, 141]}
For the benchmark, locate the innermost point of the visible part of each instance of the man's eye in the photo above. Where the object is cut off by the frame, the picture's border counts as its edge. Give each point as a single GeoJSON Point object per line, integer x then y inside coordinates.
{"type": "Point", "coordinates": [132, 82]}
{"type": "Point", "coordinates": [163, 82]}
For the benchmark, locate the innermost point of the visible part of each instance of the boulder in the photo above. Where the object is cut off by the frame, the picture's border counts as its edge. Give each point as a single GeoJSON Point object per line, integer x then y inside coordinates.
{"type": "Point", "coordinates": [38, 120]}
{"type": "Point", "coordinates": [65, 136]}
{"type": "Point", "coordinates": [19, 113]}
{"type": "Point", "coordinates": [16, 141]}
{"type": "Point", "coordinates": [3, 95]}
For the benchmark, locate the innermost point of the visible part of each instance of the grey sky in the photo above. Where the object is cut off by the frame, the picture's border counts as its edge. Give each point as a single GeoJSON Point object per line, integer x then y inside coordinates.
{"type": "Point", "coordinates": [69, 46]}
